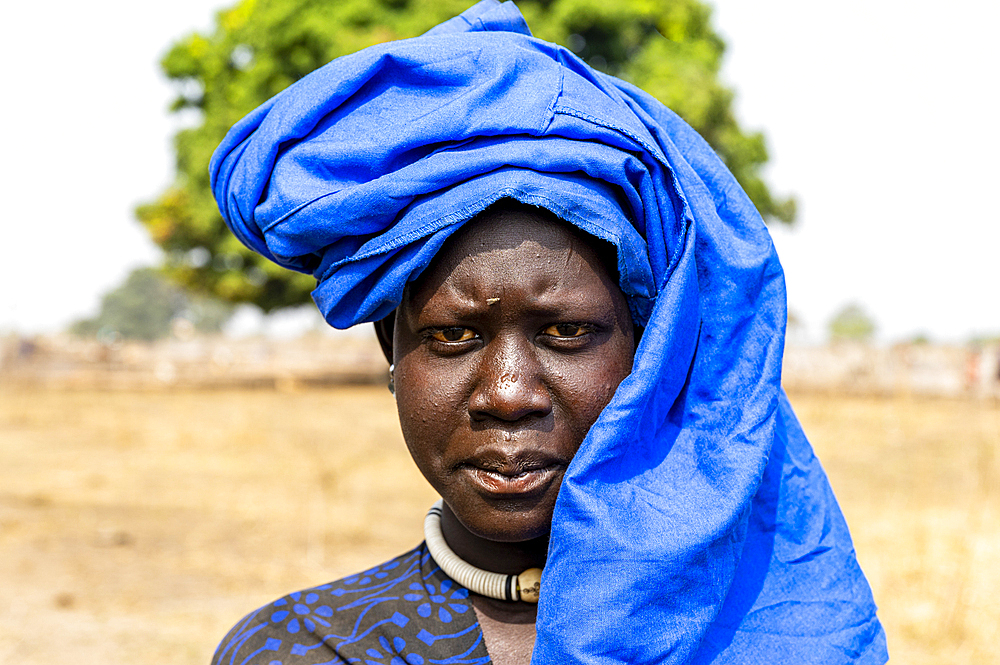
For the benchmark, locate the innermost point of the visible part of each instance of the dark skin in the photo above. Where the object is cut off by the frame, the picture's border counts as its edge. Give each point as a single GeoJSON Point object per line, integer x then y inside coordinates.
{"type": "Point", "coordinates": [506, 350]}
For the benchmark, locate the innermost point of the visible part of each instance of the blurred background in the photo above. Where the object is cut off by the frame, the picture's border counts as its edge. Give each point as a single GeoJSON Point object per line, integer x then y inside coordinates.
{"type": "Point", "coordinates": [182, 438]}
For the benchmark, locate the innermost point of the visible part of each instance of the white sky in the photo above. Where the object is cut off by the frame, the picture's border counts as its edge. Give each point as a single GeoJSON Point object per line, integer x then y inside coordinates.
{"type": "Point", "coordinates": [881, 118]}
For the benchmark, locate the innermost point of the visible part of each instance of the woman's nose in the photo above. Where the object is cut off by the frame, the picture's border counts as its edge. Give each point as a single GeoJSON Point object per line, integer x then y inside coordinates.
{"type": "Point", "coordinates": [509, 384]}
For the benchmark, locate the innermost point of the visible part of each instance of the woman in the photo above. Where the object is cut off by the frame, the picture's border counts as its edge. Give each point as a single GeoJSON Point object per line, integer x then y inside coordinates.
{"type": "Point", "coordinates": [659, 480]}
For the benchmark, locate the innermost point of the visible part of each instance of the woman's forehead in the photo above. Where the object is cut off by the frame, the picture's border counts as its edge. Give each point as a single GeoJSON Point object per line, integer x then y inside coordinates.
{"type": "Point", "coordinates": [524, 234]}
{"type": "Point", "coordinates": [527, 258]}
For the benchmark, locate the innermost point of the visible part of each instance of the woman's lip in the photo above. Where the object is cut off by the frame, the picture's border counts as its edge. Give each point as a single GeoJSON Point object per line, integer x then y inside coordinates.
{"type": "Point", "coordinates": [498, 483]}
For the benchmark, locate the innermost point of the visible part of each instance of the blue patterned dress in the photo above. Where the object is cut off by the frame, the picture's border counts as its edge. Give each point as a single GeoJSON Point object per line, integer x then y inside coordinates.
{"type": "Point", "coordinates": [403, 612]}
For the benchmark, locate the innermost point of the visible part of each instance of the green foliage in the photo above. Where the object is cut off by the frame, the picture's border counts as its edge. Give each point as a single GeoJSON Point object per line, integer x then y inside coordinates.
{"type": "Point", "coordinates": [259, 47]}
{"type": "Point", "coordinates": [146, 306]}
{"type": "Point", "coordinates": [985, 339]}
{"type": "Point", "coordinates": [852, 323]}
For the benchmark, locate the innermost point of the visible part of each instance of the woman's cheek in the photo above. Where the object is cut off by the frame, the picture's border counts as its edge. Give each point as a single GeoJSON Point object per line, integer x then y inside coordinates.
{"type": "Point", "coordinates": [430, 406]}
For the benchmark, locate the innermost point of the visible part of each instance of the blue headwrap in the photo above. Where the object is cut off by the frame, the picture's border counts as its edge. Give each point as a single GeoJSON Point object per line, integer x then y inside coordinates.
{"type": "Point", "coordinates": [694, 524]}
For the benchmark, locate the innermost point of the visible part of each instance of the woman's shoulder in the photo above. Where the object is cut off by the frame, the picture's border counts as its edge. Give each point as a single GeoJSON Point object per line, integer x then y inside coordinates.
{"type": "Point", "coordinates": [405, 611]}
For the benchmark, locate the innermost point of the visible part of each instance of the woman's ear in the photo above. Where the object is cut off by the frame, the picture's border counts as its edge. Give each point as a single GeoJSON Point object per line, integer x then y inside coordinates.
{"type": "Point", "coordinates": [383, 330]}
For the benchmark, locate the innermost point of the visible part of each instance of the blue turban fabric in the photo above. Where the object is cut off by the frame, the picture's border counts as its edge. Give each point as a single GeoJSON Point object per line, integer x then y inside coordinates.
{"type": "Point", "coordinates": [694, 525]}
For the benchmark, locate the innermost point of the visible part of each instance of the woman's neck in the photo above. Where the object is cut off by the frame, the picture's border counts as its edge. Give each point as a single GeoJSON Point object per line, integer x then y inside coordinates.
{"type": "Point", "coordinates": [491, 555]}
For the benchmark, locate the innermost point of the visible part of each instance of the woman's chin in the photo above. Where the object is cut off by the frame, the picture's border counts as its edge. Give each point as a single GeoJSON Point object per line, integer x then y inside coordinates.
{"type": "Point", "coordinates": [521, 535]}
{"type": "Point", "coordinates": [511, 520]}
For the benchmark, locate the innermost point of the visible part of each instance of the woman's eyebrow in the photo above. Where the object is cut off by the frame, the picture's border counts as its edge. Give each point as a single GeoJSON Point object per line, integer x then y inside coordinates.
{"type": "Point", "coordinates": [576, 309]}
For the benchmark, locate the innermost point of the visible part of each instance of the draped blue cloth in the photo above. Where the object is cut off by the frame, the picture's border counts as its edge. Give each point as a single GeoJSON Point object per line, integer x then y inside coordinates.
{"type": "Point", "coordinates": [694, 524]}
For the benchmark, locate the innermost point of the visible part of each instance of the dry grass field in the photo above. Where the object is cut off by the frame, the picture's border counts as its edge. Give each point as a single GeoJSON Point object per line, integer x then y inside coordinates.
{"type": "Point", "coordinates": [136, 527]}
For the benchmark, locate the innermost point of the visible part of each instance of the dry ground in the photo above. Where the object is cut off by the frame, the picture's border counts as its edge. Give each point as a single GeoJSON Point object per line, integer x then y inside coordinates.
{"type": "Point", "coordinates": [135, 528]}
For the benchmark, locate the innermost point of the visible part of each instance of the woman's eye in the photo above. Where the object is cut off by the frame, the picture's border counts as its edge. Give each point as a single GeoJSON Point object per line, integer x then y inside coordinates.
{"type": "Point", "coordinates": [453, 335]}
{"type": "Point", "coordinates": [566, 330]}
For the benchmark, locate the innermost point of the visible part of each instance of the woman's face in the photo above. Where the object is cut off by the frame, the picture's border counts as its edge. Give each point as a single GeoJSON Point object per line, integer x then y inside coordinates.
{"type": "Point", "coordinates": [506, 351]}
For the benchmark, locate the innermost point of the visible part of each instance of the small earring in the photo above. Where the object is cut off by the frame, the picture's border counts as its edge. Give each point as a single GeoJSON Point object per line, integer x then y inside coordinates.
{"type": "Point", "coordinates": [392, 379]}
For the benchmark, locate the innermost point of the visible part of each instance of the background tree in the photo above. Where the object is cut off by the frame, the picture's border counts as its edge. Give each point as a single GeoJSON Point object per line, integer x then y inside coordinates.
{"type": "Point", "coordinates": [145, 307]}
{"type": "Point", "coordinates": [852, 323]}
{"type": "Point", "coordinates": [259, 47]}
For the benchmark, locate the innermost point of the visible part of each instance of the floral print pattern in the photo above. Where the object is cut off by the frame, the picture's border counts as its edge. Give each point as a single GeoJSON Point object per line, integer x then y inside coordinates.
{"type": "Point", "coordinates": [394, 653]}
{"type": "Point", "coordinates": [403, 612]}
{"type": "Point", "coordinates": [430, 597]}
{"type": "Point", "coordinates": [303, 616]}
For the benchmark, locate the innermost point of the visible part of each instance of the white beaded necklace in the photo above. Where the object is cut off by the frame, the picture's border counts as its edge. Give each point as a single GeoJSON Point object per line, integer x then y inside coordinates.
{"type": "Point", "coordinates": [524, 587]}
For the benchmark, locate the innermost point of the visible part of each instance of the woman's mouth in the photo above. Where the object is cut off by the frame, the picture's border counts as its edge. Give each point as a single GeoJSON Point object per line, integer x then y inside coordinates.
{"type": "Point", "coordinates": [513, 479]}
